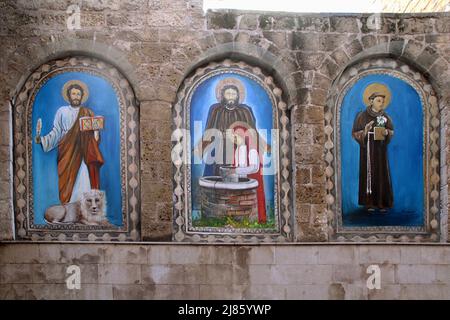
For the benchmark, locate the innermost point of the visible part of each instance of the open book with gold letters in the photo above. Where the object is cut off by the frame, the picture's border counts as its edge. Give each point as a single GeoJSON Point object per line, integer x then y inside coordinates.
{"type": "Point", "coordinates": [92, 123]}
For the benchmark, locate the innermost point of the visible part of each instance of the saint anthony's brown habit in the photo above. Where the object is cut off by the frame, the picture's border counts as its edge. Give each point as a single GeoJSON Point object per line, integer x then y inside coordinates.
{"type": "Point", "coordinates": [74, 147]}
{"type": "Point", "coordinates": [375, 189]}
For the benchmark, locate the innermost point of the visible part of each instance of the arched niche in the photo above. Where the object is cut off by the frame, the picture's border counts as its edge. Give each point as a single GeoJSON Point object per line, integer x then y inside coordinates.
{"type": "Point", "coordinates": [76, 154]}
{"type": "Point", "coordinates": [231, 156]}
{"type": "Point", "coordinates": [382, 154]}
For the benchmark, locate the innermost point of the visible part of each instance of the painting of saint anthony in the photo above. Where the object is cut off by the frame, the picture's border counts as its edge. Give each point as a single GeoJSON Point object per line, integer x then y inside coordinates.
{"type": "Point", "coordinates": [381, 152]}
{"type": "Point", "coordinates": [373, 129]}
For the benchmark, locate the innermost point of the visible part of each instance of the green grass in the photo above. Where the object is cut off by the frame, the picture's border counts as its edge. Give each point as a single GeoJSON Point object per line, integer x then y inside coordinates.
{"type": "Point", "coordinates": [230, 222]}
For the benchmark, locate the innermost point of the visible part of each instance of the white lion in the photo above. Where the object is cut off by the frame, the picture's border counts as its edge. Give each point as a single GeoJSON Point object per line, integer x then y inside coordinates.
{"type": "Point", "coordinates": [89, 210]}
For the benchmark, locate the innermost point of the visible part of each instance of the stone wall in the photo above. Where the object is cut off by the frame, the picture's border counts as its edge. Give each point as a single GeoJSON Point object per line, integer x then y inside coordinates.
{"type": "Point", "coordinates": [157, 43]}
{"type": "Point", "coordinates": [170, 271]}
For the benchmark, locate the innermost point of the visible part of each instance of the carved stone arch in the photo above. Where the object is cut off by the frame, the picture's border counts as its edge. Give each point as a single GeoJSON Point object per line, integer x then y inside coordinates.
{"type": "Point", "coordinates": [127, 156]}
{"type": "Point", "coordinates": [184, 229]}
{"type": "Point", "coordinates": [419, 55]}
{"type": "Point", "coordinates": [431, 229]}
{"type": "Point", "coordinates": [28, 57]}
{"type": "Point", "coordinates": [281, 67]}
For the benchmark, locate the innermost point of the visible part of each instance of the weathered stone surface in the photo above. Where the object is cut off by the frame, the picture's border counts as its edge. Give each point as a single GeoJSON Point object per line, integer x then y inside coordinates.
{"type": "Point", "coordinates": [309, 60]}
{"type": "Point", "coordinates": [353, 48]}
{"type": "Point", "coordinates": [163, 40]}
{"type": "Point", "coordinates": [306, 41]}
{"type": "Point", "coordinates": [310, 194]}
{"type": "Point", "coordinates": [317, 24]}
{"type": "Point", "coordinates": [428, 57]}
{"type": "Point", "coordinates": [443, 24]}
{"type": "Point", "coordinates": [344, 24]}
{"type": "Point", "coordinates": [330, 42]}
{"type": "Point", "coordinates": [186, 272]}
{"type": "Point", "coordinates": [310, 114]}
{"type": "Point", "coordinates": [416, 274]}
{"type": "Point", "coordinates": [248, 22]}
{"type": "Point", "coordinates": [278, 38]}
{"type": "Point", "coordinates": [329, 68]}
{"type": "Point", "coordinates": [378, 24]}
{"type": "Point", "coordinates": [221, 20]}
{"type": "Point", "coordinates": [414, 26]}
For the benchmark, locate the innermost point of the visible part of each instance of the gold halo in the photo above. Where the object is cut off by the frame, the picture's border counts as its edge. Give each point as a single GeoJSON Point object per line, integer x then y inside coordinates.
{"type": "Point", "coordinates": [230, 81]}
{"type": "Point", "coordinates": [81, 84]}
{"type": "Point", "coordinates": [377, 87]}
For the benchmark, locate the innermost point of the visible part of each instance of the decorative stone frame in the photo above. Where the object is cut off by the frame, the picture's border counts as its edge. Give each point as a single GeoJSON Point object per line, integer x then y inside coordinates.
{"type": "Point", "coordinates": [431, 151]}
{"type": "Point", "coordinates": [181, 155]}
{"type": "Point", "coordinates": [129, 156]}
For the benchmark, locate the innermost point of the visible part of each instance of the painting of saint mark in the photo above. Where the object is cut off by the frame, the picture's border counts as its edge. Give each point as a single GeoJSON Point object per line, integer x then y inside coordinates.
{"type": "Point", "coordinates": [76, 152]}
{"type": "Point", "coordinates": [382, 154]}
{"type": "Point", "coordinates": [232, 167]}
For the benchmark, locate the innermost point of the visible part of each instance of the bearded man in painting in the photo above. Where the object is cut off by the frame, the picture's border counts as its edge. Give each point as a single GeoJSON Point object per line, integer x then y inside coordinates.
{"type": "Point", "coordinates": [79, 156]}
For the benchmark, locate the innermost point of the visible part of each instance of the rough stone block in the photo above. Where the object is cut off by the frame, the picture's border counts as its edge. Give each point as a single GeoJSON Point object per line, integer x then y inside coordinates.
{"type": "Point", "coordinates": [354, 48]}
{"type": "Point", "coordinates": [261, 255]}
{"type": "Point", "coordinates": [248, 22]}
{"type": "Point", "coordinates": [296, 255]}
{"type": "Point", "coordinates": [443, 24]}
{"type": "Point", "coordinates": [218, 274]}
{"type": "Point", "coordinates": [410, 255]}
{"type": "Point", "coordinates": [307, 292]}
{"type": "Point", "coordinates": [305, 41]}
{"type": "Point", "coordinates": [19, 253]}
{"type": "Point", "coordinates": [424, 292]}
{"type": "Point", "coordinates": [119, 274]}
{"type": "Point", "coordinates": [329, 68]}
{"type": "Point", "coordinates": [344, 24]}
{"type": "Point", "coordinates": [174, 274]}
{"type": "Point", "coordinates": [221, 292]}
{"type": "Point", "coordinates": [387, 292]}
{"type": "Point", "coordinates": [303, 176]}
{"type": "Point", "coordinates": [16, 273]}
{"type": "Point", "coordinates": [340, 58]}
{"type": "Point", "coordinates": [378, 24]}
{"type": "Point", "coordinates": [443, 274]}
{"type": "Point", "coordinates": [379, 254]}
{"type": "Point", "coordinates": [216, 20]}
{"type": "Point", "coordinates": [310, 194]}
{"type": "Point", "coordinates": [309, 60]}
{"type": "Point", "coordinates": [319, 97]}
{"type": "Point", "coordinates": [125, 254]}
{"type": "Point", "coordinates": [345, 255]}
{"type": "Point", "coordinates": [417, 274]}
{"type": "Point", "coordinates": [318, 24]}
{"type": "Point", "coordinates": [434, 255]}
{"type": "Point", "coordinates": [415, 26]}
{"type": "Point", "coordinates": [310, 114]}
{"type": "Point", "coordinates": [265, 292]}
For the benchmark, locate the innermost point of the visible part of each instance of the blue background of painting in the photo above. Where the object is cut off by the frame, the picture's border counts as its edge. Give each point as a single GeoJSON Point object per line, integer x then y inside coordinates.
{"type": "Point", "coordinates": [404, 154]}
{"type": "Point", "coordinates": [102, 101]}
{"type": "Point", "coordinates": [256, 98]}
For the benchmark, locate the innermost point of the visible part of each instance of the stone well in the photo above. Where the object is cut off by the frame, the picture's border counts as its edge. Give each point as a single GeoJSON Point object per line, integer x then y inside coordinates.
{"type": "Point", "coordinates": [234, 199]}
